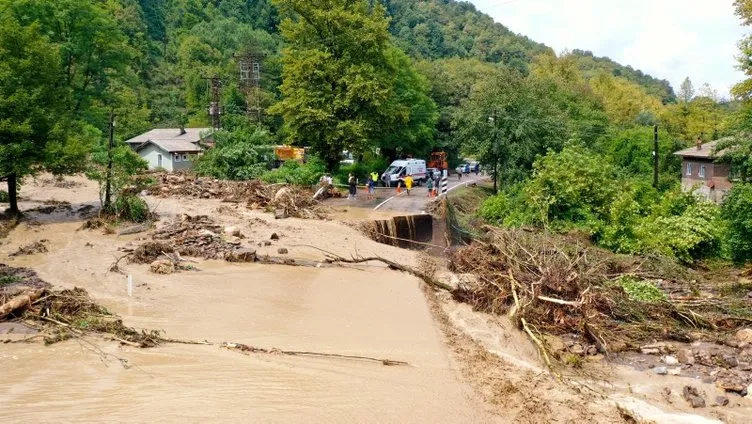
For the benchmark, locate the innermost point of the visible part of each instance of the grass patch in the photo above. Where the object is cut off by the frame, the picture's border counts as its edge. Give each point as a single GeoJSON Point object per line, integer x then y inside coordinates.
{"type": "Point", "coordinates": [9, 279]}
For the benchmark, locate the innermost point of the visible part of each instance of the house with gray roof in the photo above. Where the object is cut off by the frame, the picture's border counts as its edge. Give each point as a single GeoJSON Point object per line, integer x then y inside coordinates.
{"type": "Point", "coordinates": [171, 149]}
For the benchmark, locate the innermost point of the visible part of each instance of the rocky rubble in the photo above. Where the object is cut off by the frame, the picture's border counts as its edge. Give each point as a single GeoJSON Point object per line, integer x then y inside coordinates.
{"type": "Point", "coordinates": [728, 366]}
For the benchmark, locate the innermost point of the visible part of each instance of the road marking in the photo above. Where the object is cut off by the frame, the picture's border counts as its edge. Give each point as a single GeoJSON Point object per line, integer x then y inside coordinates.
{"type": "Point", "coordinates": [384, 202]}
{"type": "Point", "coordinates": [388, 200]}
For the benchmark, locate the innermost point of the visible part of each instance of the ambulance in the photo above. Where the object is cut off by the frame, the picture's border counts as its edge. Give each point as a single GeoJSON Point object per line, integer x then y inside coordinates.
{"type": "Point", "coordinates": [399, 169]}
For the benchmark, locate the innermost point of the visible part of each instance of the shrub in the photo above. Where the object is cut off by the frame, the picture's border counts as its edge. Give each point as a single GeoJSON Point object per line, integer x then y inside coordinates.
{"type": "Point", "coordinates": [509, 208]}
{"type": "Point", "coordinates": [737, 212]}
{"type": "Point", "coordinates": [132, 208]}
{"type": "Point", "coordinates": [694, 234]}
{"type": "Point", "coordinates": [292, 172]}
{"type": "Point", "coordinates": [362, 169]}
{"type": "Point", "coordinates": [4, 196]}
{"type": "Point", "coordinates": [242, 154]}
{"type": "Point", "coordinates": [496, 209]}
{"type": "Point", "coordinates": [126, 166]}
{"type": "Point", "coordinates": [574, 185]}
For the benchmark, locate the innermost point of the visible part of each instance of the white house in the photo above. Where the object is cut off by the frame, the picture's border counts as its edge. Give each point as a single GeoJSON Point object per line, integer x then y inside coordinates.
{"type": "Point", "coordinates": [171, 149]}
{"type": "Point", "coordinates": [170, 155]}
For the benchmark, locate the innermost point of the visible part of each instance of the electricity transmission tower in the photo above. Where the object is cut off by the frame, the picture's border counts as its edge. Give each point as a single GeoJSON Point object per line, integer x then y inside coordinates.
{"type": "Point", "coordinates": [215, 110]}
{"type": "Point", "coordinates": [250, 79]}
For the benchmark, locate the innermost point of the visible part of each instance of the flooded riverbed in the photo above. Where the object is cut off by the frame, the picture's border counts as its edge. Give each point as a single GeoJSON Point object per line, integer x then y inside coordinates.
{"type": "Point", "coordinates": [371, 312]}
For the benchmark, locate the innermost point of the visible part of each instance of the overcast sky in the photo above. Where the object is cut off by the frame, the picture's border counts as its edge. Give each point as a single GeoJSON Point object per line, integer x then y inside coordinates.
{"type": "Point", "coordinates": [668, 39]}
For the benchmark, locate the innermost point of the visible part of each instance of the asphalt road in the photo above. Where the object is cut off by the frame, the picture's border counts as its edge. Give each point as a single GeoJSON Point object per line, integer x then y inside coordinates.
{"type": "Point", "coordinates": [388, 200]}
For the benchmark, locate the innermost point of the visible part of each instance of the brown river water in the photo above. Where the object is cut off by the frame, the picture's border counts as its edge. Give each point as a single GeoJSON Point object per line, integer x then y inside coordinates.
{"type": "Point", "coordinates": [369, 312]}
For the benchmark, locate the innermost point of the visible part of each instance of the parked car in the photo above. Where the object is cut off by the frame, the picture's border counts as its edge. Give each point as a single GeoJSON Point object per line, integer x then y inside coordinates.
{"type": "Point", "coordinates": [465, 168]}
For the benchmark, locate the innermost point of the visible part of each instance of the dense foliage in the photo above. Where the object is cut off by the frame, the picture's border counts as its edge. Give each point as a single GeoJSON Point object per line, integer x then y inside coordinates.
{"type": "Point", "coordinates": [292, 172]}
{"type": "Point", "coordinates": [580, 189]}
{"type": "Point", "coordinates": [241, 154]}
{"type": "Point", "coordinates": [737, 210]}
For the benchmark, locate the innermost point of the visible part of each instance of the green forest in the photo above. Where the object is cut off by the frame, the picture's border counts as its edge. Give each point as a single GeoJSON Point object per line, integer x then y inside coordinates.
{"type": "Point", "coordinates": [567, 136]}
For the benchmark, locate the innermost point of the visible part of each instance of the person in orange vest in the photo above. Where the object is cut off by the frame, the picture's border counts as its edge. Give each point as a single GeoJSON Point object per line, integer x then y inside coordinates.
{"type": "Point", "coordinates": [408, 183]}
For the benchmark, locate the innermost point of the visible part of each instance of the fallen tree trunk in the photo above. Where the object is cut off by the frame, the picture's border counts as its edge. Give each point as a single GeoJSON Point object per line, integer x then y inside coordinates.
{"type": "Point", "coordinates": [243, 348]}
{"type": "Point", "coordinates": [433, 282]}
{"type": "Point", "coordinates": [21, 301]}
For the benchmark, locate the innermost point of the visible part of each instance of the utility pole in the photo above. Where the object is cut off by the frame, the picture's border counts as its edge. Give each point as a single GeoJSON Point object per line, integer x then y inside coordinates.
{"type": "Point", "coordinates": [214, 109]}
{"type": "Point", "coordinates": [655, 156]}
{"type": "Point", "coordinates": [494, 120]}
{"type": "Point", "coordinates": [108, 178]}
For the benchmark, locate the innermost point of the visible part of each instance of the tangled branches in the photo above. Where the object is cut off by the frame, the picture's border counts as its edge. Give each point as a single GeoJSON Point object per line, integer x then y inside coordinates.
{"type": "Point", "coordinates": [556, 286]}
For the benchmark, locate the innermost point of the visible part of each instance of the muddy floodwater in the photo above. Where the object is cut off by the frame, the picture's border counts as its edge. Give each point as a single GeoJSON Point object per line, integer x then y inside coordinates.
{"type": "Point", "coordinates": [370, 312]}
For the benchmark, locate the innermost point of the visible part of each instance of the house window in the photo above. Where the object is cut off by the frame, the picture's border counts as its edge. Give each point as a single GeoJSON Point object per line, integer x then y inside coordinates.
{"type": "Point", "coordinates": [702, 171]}
{"type": "Point", "coordinates": [689, 169]}
{"type": "Point", "coordinates": [185, 157]}
{"type": "Point", "coordinates": [177, 157]}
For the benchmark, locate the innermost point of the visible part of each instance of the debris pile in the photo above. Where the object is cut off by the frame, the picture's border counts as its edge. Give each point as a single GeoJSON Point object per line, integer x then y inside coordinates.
{"type": "Point", "coordinates": [554, 286]}
{"type": "Point", "coordinates": [284, 201]}
{"type": "Point", "coordinates": [193, 236]}
{"type": "Point", "coordinates": [61, 314]}
{"type": "Point", "coordinates": [39, 246]}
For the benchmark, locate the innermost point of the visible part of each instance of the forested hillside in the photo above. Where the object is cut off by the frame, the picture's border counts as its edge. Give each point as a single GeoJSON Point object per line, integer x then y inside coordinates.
{"type": "Point", "coordinates": [170, 45]}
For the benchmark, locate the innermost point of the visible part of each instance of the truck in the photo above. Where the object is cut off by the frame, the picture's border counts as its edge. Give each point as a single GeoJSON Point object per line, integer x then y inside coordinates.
{"type": "Point", "coordinates": [399, 169]}
{"type": "Point", "coordinates": [438, 160]}
{"type": "Point", "coordinates": [285, 152]}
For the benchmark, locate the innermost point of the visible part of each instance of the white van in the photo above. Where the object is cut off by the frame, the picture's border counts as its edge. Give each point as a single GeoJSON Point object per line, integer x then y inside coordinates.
{"type": "Point", "coordinates": [399, 169]}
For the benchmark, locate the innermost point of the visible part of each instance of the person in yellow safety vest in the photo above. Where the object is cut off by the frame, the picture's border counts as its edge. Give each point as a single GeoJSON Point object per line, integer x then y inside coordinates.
{"type": "Point", "coordinates": [375, 177]}
{"type": "Point", "coordinates": [408, 183]}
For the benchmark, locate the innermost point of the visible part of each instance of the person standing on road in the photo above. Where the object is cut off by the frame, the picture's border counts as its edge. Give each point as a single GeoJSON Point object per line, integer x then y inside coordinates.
{"type": "Point", "coordinates": [353, 185]}
{"type": "Point", "coordinates": [429, 186]}
{"type": "Point", "coordinates": [476, 169]}
{"type": "Point", "coordinates": [371, 189]}
{"type": "Point", "coordinates": [375, 177]}
{"type": "Point", "coordinates": [408, 183]}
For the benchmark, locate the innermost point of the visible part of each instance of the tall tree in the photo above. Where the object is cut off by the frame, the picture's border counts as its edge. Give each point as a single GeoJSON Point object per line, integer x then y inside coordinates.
{"type": "Point", "coordinates": [30, 102]}
{"type": "Point", "coordinates": [340, 78]}
{"type": "Point", "coordinates": [507, 122]}
{"type": "Point", "coordinates": [686, 91]}
{"type": "Point", "coordinates": [743, 89]}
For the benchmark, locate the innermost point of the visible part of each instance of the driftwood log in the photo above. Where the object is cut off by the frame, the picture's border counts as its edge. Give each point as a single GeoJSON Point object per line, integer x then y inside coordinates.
{"type": "Point", "coordinates": [22, 300]}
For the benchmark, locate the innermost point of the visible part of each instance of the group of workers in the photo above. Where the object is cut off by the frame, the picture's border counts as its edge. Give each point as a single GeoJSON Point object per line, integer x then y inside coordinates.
{"type": "Point", "coordinates": [373, 179]}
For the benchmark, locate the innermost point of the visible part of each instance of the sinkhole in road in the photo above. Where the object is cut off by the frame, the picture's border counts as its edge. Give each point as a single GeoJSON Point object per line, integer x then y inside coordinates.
{"type": "Point", "coordinates": [408, 231]}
